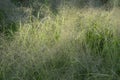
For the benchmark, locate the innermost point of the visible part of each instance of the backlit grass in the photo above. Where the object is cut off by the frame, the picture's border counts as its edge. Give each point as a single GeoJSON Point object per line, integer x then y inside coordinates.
{"type": "Point", "coordinates": [75, 44]}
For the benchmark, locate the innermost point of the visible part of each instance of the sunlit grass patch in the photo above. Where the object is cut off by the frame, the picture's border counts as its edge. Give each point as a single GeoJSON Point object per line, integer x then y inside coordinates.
{"type": "Point", "coordinates": [71, 45]}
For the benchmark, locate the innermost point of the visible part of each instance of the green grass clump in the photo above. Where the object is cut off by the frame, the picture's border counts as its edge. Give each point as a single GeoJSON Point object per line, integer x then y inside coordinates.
{"type": "Point", "coordinates": [7, 27]}
{"type": "Point", "coordinates": [75, 44]}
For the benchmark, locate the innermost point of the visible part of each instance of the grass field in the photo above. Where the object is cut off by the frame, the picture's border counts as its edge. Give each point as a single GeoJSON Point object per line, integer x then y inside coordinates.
{"type": "Point", "coordinates": [73, 44]}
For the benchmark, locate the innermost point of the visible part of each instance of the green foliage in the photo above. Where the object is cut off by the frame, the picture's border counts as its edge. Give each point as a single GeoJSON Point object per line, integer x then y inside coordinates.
{"type": "Point", "coordinates": [74, 44]}
{"type": "Point", "coordinates": [6, 26]}
{"type": "Point", "coordinates": [2, 15]}
{"type": "Point", "coordinates": [2, 19]}
{"type": "Point", "coordinates": [96, 38]}
{"type": "Point", "coordinates": [16, 2]}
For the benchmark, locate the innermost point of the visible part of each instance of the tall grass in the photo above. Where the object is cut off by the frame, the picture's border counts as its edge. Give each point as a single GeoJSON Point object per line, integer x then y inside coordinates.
{"type": "Point", "coordinates": [75, 44]}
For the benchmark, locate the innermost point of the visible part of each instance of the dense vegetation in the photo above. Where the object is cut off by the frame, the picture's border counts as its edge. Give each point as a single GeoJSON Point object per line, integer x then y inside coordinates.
{"type": "Point", "coordinates": [59, 40]}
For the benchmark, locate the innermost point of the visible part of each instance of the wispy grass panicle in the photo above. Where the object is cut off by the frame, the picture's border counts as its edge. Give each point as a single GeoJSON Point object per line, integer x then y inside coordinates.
{"type": "Point", "coordinates": [75, 44]}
